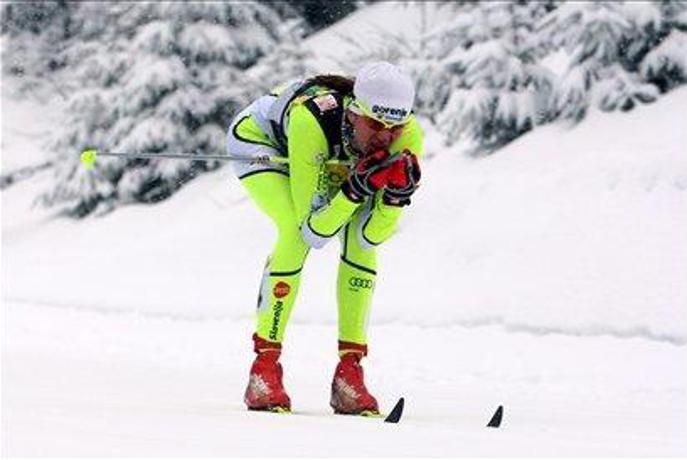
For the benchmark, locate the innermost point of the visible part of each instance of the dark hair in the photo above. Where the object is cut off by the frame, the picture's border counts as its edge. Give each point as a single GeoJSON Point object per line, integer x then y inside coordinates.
{"type": "Point", "coordinates": [338, 83]}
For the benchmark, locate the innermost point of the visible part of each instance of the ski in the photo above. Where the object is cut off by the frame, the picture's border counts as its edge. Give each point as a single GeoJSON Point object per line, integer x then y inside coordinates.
{"type": "Point", "coordinates": [495, 421]}
{"type": "Point", "coordinates": [396, 413]}
{"type": "Point", "coordinates": [394, 416]}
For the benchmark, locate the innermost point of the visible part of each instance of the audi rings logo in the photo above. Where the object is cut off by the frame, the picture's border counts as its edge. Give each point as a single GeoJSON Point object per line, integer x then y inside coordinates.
{"type": "Point", "coordinates": [363, 283]}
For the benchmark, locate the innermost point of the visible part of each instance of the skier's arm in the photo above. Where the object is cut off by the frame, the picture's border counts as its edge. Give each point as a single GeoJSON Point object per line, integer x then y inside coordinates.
{"type": "Point", "coordinates": [378, 223]}
{"type": "Point", "coordinates": [306, 143]}
{"type": "Point", "coordinates": [324, 223]}
{"type": "Point", "coordinates": [368, 176]}
{"type": "Point", "coordinates": [380, 220]}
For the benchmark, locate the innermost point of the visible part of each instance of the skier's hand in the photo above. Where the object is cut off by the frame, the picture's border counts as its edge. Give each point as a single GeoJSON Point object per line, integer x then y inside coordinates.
{"type": "Point", "coordinates": [403, 179]}
{"type": "Point", "coordinates": [368, 175]}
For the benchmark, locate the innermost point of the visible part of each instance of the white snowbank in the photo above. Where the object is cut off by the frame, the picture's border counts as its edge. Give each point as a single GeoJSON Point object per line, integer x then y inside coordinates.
{"type": "Point", "coordinates": [580, 230]}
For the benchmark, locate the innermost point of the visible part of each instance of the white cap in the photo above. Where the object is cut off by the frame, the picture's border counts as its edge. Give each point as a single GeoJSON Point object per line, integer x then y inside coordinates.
{"type": "Point", "coordinates": [385, 91]}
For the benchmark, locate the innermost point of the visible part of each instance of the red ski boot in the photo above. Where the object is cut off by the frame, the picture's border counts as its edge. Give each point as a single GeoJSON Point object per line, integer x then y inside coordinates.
{"type": "Point", "coordinates": [349, 395]}
{"type": "Point", "coordinates": [265, 389]}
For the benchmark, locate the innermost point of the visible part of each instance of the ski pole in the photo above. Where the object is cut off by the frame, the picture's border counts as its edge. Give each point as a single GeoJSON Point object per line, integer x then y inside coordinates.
{"type": "Point", "coordinates": [90, 155]}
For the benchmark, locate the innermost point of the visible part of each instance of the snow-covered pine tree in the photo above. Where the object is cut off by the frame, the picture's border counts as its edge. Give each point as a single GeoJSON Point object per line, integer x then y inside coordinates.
{"type": "Point", "coordinates": [475, 66]}
{"type": "Point", "coordinates": [665, 65]}
{"type": "Point", "coordinates": [35, 33]}
{"type": "Point", "coordinates": [289, 61]}
{"type": "Point", "coordinates": [155, 77]}
{"type": "Point", "coordinates": [497, 88]}
{"type": "Point", "coordinates": [434, 84]}
{"type": "Point", "coordinates": [603, 39]}
{"type": "Point", "coordinates": [321, 13]}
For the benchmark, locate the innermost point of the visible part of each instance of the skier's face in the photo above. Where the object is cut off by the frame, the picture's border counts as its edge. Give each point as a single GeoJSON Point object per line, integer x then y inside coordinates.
{"type": "Point", "coordinates": [370, 135]}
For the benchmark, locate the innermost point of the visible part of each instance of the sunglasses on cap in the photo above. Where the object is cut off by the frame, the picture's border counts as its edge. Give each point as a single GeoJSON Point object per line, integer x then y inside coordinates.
{"type": "Point", "coordinates": [372, 120]}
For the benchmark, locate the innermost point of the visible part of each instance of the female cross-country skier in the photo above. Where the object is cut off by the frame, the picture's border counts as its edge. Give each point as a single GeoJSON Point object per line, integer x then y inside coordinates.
{"type": "Point", "coordinates": [352, 147]}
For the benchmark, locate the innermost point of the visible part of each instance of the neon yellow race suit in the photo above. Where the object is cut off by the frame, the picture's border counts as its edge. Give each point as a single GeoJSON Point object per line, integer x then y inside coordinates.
{"type": "Point", "coordinates": [304, 200]}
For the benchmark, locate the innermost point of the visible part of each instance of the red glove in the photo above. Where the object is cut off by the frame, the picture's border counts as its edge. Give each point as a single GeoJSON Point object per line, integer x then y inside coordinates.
{"type": "Point", "coordinates": [403, 178]}
{"type": "Point", "coordinates": [368, 175]}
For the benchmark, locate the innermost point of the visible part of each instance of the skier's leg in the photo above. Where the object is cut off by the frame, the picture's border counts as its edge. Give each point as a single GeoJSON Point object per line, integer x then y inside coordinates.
{"type": "Point", "coordinates": [281, 277]}
{"type": "Point", "coordinates": [278, 290]}
{"type": "Point", "coordinates": [268, 186]}
{"type": "Point", "coordinates": [356, 282]}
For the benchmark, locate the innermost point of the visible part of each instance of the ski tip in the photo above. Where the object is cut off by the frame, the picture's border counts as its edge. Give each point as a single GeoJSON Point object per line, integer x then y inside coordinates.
{"type": "Point", "coordinates": [395, 414]}
{"type": "Point", "coordinates": [495, 421]}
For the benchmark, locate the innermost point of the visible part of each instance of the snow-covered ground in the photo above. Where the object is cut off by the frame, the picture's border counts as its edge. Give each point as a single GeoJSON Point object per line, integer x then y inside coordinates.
{"type": "Point", "coordinates": [549, 277]}
{"type": "Point", "coordinates": [81, 382]}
